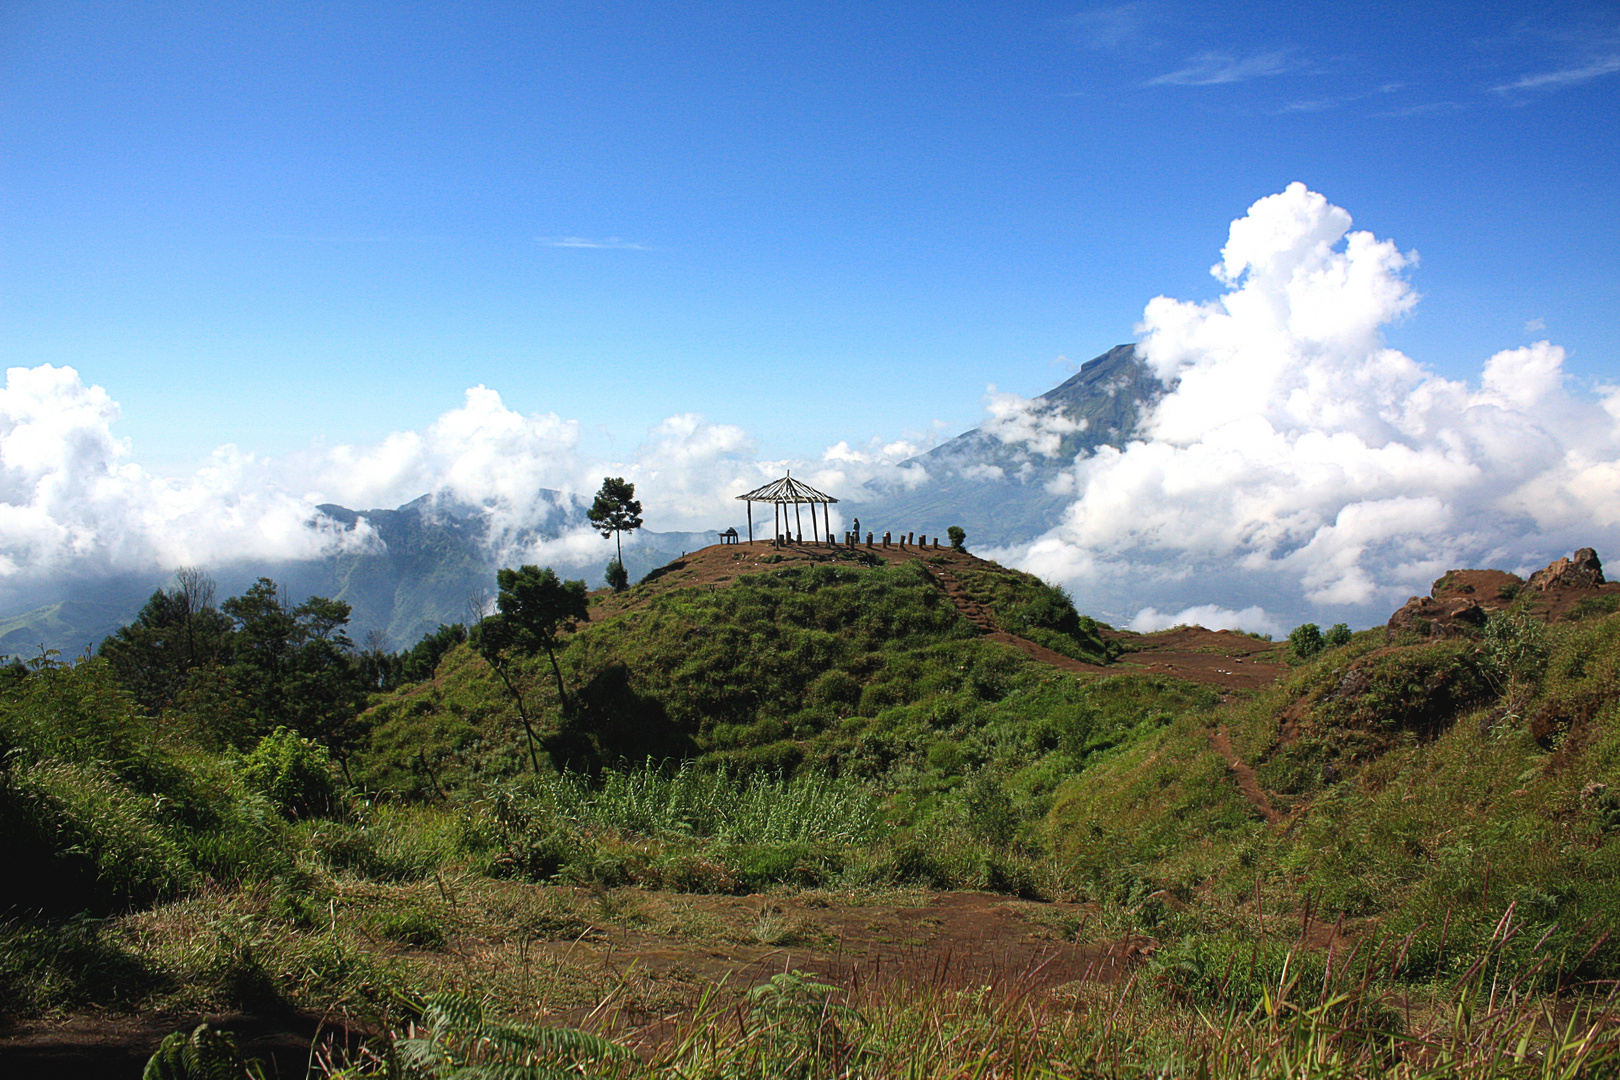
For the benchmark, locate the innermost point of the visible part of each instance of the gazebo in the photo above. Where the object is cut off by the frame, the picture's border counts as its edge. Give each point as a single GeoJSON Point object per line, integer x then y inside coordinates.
{"type": "Point", "coordinates": [782, 492]}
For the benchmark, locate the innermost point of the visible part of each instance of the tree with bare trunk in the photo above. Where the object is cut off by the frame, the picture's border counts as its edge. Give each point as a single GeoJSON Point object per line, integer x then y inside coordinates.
{"type": "Point", "coordinates": [533, 607]}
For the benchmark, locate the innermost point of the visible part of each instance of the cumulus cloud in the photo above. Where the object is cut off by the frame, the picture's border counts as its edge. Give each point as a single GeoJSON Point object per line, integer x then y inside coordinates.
{"type": "Point", "coordinates": [72, 501]}
{"type": "Point", "coordinates": [689, 471]}
{"type": "Point", "coordinates": [883, 464]}
{"type": "Point", "coordinates": [481, 454]}
{"type": "Point", "coordinates": [1213, 616]}
{"type": "Point", "coordinates": [1300, 465]}
{"type": "Point", "coordinates": [71, 497]}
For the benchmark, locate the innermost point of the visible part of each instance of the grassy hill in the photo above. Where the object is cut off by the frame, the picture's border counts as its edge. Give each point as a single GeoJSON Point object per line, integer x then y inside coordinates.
{"type": "Point", "coordinates": [1066, 849]}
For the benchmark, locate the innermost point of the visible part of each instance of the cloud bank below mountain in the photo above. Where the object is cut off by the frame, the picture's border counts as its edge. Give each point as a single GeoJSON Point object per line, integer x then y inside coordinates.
{"type": "Point", "coordinates": [75, 503]}
{"type": "Point", "coordinates": [1298, 465]}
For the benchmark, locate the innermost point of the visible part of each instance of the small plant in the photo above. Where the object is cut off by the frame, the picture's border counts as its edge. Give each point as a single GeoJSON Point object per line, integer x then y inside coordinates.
{"type": "Point", "coordinates": [293, 773]}
{"type": "Point", "coordinates": [1338, 634]}
{"type": "Point", "coordinates": [1516, 651]}
{"type": "Point", "coordinates": [454, 1038]}
{"type": "Point", "coordinates": [616, 576]}
{"type": "Point", "coordinates": [206, 1054]}
{"type": "Point", "coordinates": [958, 538]}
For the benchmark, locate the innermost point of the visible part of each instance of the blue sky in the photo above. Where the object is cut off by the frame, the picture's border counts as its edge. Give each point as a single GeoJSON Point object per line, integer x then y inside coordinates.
{"type": "Point", "coordinates": [295, 225]}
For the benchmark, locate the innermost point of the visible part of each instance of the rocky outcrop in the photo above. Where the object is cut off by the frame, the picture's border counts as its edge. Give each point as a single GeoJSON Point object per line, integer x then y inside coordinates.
{"type": "Point", "coordinates": [1583, 570]}
{"type": "Point", "coordinates": [1427, 617]}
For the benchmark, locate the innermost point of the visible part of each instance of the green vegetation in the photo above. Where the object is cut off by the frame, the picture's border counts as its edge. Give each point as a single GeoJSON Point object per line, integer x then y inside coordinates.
{"type": "Point", "coordinates": [615, 511]}
{"type": "Point", "coordinates": [1417, 876]}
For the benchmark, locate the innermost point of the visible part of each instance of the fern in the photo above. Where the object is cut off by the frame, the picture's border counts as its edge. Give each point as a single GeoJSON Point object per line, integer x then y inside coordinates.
{"type": "Point", "coordinates": [455, 1041]}
{"type": "Point", "coordinates": [206, 1054]}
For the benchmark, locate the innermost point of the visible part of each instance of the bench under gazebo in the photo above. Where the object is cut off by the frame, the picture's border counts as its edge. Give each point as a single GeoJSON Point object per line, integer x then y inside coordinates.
{"type": "Point", "coordinates": [781, 493]}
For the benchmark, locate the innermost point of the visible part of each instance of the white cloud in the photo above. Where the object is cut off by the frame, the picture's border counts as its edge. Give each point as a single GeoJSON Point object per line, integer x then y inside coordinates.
{"type": "Point", "coordinates": [847, 467]}
{"type": "Point", "coordinates": [1554, 80]}
{"type": "Point", "coordinates": [482, 453]}
{"type": "Point", "coordinates": [606, 243]}
{"type": "Point", "coordinates": [1300, 464]}
{"type": "Point", "coordinates": [71, 501]}
{"type": "Point", "coordinates": [71, 498]}
{"type": "Point", "coordinates": [1212, 616]}
{"type": "Point", "coordinates": [1215, 69]}
{"type": "Point", "coordinates": [1122, 26]}
{"type": "Point", "coordinates": [1032, 423]}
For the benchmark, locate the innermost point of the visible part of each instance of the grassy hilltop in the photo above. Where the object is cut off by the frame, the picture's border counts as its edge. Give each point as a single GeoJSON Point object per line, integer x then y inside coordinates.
{"type": "Point", "coordinates": [1002, 838]}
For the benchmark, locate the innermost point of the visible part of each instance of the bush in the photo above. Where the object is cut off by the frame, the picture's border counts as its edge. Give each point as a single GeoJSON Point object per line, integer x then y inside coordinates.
{"type": "Point", "coordinates": [293, 773]}
{"type": "Point", "coordinates": [1338, 635]}
{"type": "Point", "coordinates": [958, 538]}
{"type": "Point", "coordinates": [1306, 640]}
{"type": "Point", "coordinates": [616, 576]}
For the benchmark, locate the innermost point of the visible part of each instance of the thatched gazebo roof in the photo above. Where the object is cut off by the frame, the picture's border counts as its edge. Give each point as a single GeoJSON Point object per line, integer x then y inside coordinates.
{"type": "Point", "coordinates": [788, 490]}
{"type": "Point", "coordinates": [781, 493]}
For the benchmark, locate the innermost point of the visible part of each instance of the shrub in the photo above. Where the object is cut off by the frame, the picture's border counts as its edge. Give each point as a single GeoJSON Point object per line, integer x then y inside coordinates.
{"type": "Point", "coordinates": [616, 576]}
{"type": "Point", "coordinates": [293, 773]}
{"type": "Point", "coordinates": [1337, 635]}
{"type": "Point", "coordinates": [1306, 640]}
{"type": "Point", "coordinates": [958, 538]}
{"type": "Point", "coordinates": [1515, 648]}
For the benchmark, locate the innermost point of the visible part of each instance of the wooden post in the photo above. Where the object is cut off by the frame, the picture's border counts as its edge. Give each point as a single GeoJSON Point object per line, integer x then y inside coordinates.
{"type": "Point", "coordinates": [798, 521]}
{"type": "Point", "coordinates": [749, 503]}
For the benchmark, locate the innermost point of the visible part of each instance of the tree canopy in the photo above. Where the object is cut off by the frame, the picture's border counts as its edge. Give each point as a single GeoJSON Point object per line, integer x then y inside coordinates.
{"type": "Point", "coordinates": [616, 510]}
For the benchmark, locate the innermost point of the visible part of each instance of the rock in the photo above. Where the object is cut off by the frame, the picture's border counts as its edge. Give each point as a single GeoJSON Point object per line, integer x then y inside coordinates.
{"type": "Point", "coordinates": [1583, 570]}
{"type": "Point", "coordinates": [1430, 618]}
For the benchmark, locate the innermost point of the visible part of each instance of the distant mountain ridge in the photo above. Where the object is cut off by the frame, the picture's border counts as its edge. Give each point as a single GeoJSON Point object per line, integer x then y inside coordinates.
{"type": "Point", "coordinates": [999, 491]}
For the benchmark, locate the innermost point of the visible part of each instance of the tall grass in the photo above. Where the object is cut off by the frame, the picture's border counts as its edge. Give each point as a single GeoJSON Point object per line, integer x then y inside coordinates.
{"type": "Point", "coordinates": [798, 1026]}
{"type": "Point", "coordinates": [726, 805]}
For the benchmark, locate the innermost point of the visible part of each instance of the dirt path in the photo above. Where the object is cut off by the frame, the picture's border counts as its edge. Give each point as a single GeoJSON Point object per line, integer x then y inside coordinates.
{"type": "Point", "coordinates": [1246, 780]}
{"type": "Point", "coordinates": [955, 938]}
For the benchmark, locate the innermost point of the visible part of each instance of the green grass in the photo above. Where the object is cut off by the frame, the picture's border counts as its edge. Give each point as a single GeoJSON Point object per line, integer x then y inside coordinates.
{"type": "Point", "coordinates": [1451, 809]}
